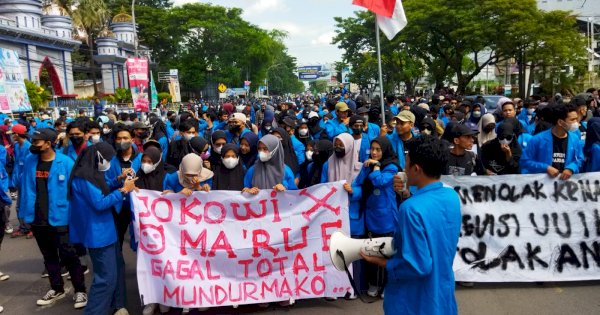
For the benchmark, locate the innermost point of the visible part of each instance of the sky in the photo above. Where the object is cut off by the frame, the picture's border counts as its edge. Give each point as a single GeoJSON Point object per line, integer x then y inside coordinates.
{"type": "Point", "coordinates": [309, 23]}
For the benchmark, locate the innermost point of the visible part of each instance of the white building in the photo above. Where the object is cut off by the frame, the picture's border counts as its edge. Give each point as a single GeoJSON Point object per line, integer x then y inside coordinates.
{"type": "Point", "coordinates": [582, 8]}
{"type": "Point", "coordinates": [43, 40]}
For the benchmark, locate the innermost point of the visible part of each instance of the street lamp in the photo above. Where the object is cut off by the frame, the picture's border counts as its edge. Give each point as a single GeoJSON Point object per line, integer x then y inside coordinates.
{"type": "Point", "coordinates": [135, 38]}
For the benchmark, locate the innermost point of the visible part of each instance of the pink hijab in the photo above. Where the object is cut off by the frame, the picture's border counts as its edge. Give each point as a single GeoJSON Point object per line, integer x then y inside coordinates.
{"type": "Point", "coordinates": [348, 167]}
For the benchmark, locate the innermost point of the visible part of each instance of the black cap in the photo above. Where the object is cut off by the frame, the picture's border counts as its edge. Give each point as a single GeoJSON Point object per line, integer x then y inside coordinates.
{"type": "Point", "coordinates": [63, 113]}
{"type": "Point", "coordinates": [356, 119]}
{"type": "Point", "coordinates": [462, 130]}
{"type": "Point", "coordinates": [582, 99]}
{"type": "Point", "coordinates": [152, 143]}
{"type": "Point", "coordinates": [362, 110]}
{"type": "Point", "coordinates": [289, 122]}
{"type": "Point", "coordinates": [140, 125]}
{"type": "Point", "coordinates": [45, 134]}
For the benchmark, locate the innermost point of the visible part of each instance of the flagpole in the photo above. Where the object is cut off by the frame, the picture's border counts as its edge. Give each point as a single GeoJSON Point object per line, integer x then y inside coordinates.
{"type": "Point", "coordinates": [380, 71]}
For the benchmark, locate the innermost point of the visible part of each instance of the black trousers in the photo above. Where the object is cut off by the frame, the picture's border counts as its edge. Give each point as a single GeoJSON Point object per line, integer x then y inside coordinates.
{"type": "Point", "coordinates": [3, 220]}
{"type": "Point", "coordinates": [57, 251]}
{"type": "Point", "coordinates": [122, 221]}
{"type": "Point", "coordinates": [374, 274]}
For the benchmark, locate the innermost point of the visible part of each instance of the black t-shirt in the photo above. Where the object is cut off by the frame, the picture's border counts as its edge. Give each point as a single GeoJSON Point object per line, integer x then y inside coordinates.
{"type": "Point", "coordinates": [459, 165]}
{"type": "Point", "coordinates": [559, 152]}
{"type": "Point", "coordinates": [41, 195]}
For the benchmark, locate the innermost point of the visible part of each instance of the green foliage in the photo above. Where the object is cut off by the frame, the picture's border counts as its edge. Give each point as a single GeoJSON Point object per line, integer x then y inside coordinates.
{"type": "Point", "coordinates": [164, 96]}
{"type": "Point", "coordinates": [123, 95]}
{"type": "Point", "coordinates": [318, 86]}
{"type": "Point", "coordinates": [38, 96]}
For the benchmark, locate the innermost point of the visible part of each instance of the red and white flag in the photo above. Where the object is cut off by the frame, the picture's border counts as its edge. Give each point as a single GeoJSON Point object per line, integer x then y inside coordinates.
{"type": "Point", "coordinates": [390, 15]}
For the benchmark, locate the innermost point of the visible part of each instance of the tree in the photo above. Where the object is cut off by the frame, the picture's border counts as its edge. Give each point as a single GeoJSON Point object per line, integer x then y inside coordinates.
{"type": "Point", "coordinates": [318, 86]}
{"type": "Point", "coordinates": [90, 16]}
{"type": "Point", "coordinates": [38, 96]}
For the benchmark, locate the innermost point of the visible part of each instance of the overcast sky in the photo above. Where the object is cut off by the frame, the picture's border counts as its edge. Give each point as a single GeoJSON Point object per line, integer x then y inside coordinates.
{"type": "Point", "coordinates": [309, 23]}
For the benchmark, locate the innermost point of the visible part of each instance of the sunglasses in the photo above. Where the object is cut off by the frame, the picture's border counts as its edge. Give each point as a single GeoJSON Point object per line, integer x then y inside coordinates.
{"type": "Point", "coordinates": [509, 138]}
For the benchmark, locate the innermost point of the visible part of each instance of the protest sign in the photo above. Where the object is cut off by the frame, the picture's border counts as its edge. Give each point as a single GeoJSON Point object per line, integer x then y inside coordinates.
{"type": "Point", "coordinates": [520, 228]}
{"type": "Point", "coordinates": [137, 69]}
{"type": "Point", "coordinates": [227, 248]}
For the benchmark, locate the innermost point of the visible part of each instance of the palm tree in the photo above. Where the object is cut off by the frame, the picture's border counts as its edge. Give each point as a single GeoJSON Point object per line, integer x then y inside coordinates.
{"type": "Point", "coordinates": [89, 16]}
{"type": "Point", "coordinates": [65, 5]}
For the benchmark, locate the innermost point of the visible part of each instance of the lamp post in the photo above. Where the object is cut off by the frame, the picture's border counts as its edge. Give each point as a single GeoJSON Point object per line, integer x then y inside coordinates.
{"type": "Point", "coordinates": [135, 38]}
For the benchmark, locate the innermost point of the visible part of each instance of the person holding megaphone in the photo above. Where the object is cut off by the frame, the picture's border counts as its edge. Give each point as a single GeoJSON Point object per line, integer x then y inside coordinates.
{"type": "Point", "coordinates": [427, 226]}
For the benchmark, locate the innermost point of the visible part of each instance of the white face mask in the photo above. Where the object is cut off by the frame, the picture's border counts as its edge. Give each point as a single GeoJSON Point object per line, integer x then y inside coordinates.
{"type": "Point", "coordinates": [95, 139]}
{"type": "Point", "coordinates": [505, 141]}
{"type": "Point", "coordinates": [231, 162]}
{"type": "Point", "coordinates": [574, 126]}
{"type": "Point", "coordinates": [303, 132]}
{"type": "Point", "coordinates": [426, 132]}
{"type": "Point", "coordinates": [103, 164]}
{"type": "Point", "coordinates": [148, 168]}
{"type": "Point", "coordinates": [264, 156]}
{"type": "Point", "coordinates": [530, 111]}
{"type": "Point", "coordinates": [218, 148]}
{"type": "Point", "coordinates": [187, 137]}
{"type": "Point", "coordinates": [106, 131]}
{"type": "Point", "coordinates": [476, 114]}
{"type": "Point", "coordinates": [309, 155]}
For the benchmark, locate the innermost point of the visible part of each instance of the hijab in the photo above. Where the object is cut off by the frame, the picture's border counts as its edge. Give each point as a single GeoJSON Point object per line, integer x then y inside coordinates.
{"type": "Point", "coordinates": [269, 118]}
{"type": "Point", "coordinates": [388, 157]}
{"type": "Point", "coordinates": [593, 135]}
{"type": "Point", "coordinates": [192, 164]}
{"type": "Point", "coordinates": [272, 172]}
{"type": "Point", "coordinates": [215, 158]}
{"type": "Point", "coordinates": [289, 154]}
{"type": "Point", "coordinates": [197, 145]}
{"type": "Point", "coordinates": [159, 129]}
{"type": "Point", "coordinates": [153, 180]}
{"type": "Point", "coordinates": [86, 165]}
{"type": "Point", "coordinates": [484, 137]}
{"type": "Point", "coordinates": [515, 124]}
{"type": "Point", "coordinates": [323, 149]}
{"type": "Point", "coordinates": [348, 167]}
{"type": "Point", "coordinates": [229, 179]}
{"type": "Point", "coordinates": [250, 158]}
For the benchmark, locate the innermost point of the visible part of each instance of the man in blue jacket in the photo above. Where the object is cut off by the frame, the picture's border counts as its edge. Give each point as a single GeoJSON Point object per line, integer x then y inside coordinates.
{"type": "Point", "coordinates": [21, 149]}
{"type": "Point", "coordinates": [44, 205]}
{"type": "Point", "coordinates": [420, 276]}
{"type": "Point", "coordinates": [340, 123]}
{"type": "Point", "coordinates": [556, 151]}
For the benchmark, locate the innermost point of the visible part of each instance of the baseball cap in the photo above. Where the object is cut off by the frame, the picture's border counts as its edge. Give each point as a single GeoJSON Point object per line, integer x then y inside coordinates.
{"type": "Point", "coordinates": [238, 116]}
{"type": "Point", "coordinates": [19, 129]}
{"type": "Point", "coordinates": [356, 119]}
{"type": "Point", "coordinates": [362, 110]}
{"type": "Point", "coordinates": [45, 134]}
{"type": "Point", "coordinates": [341, 106]}
{"type": "Point", "coordinates": [463, 130]}
{"type": "Point", "coordinates": [313, 115]}
{"type": "Point", "coordinates": [140, 125]}
{"type": "Point", "coordinates": [405, 116]}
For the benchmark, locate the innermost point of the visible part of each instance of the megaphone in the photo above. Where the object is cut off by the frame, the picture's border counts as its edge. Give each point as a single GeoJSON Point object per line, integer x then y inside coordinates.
{"type": "Point", "coordinates": [345, 250]}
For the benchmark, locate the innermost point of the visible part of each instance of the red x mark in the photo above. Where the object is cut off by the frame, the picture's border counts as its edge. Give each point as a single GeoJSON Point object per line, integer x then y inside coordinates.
{"type": "Point", "coordinates": [319, 203]}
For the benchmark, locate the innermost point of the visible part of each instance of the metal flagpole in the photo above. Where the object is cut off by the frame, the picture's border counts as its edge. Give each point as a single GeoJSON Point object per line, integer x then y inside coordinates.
{"type": "Point", "coordinates": [380, 71]}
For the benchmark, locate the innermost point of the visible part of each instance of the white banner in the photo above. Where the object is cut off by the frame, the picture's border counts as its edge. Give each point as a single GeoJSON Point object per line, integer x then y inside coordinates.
{"type": "Point", "coordinates": [227, 248]}
{"type": "Point", "coordinates": [521, 228]}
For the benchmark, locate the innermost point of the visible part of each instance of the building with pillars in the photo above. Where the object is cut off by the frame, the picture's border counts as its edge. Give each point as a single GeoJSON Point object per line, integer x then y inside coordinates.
{"type": "Point", "coordinates": [114, 45]}
{"type": "Point", "coordinates": [44, 41]}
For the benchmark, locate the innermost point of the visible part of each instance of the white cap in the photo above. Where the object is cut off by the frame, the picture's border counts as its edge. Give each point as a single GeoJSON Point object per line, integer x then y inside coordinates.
{"type": "Point", "coordinates": [424, 106]}
{"type": "Point", "coordinates": [312, 115]}
{"type": "Point", "coordinates": [238, 116]}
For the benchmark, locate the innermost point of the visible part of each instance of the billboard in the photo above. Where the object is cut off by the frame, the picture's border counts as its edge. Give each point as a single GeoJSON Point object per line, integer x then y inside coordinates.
{"type": "Point", "coordinates": [13, 93]}
{"type": "Point", "coordinates": [314, 72]}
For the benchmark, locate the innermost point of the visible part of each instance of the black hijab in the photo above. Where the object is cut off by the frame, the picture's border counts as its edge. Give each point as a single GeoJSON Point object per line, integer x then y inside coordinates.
{"type": "Point", "coordinates": [323, 149]}
{"type": "Point", "coordinates": [249, 158]}
{"type": "Point", "coordinates": [388, 156]}
{"type": "Point", "coordinates": [197, 145]}
{"type": "Point", "coordinates": [288, 150]}
{"type": "Point", "coordinates": [303, 168]}
{"type": "Point", "coordinates": [109, 137]}
{"type": "Point", "coordinates": [154, 180]}
{"type": "Point", "coordinates": [159, 130]}
{"type": "Point", "coordinates": [86, 165]}
{"type": "Point", "coordinates": [215, 158]}
{"type": "Point", "coordinates": [229, 179]}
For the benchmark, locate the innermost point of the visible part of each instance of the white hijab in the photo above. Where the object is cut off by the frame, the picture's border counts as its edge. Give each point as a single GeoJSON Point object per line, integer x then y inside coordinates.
{"type": "Point", "coordinates": [484, 137]}
{"type": "Point", "coordinates": [348, 167]}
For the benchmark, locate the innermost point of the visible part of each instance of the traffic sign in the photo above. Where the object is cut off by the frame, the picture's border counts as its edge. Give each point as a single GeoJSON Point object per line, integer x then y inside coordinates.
{"type": "Point", "coordinates": [222, 88]}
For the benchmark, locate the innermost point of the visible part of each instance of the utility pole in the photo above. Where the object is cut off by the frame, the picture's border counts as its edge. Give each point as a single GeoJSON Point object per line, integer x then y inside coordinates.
{"type": "Point", "coordinates": [135, 38]}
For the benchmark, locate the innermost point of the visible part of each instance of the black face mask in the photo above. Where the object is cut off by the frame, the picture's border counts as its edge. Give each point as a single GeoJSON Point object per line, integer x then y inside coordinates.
{"type": "Point", "coordinates": [357, 131]}
{"type": "Point", "coordinates": [234, 128]}
{"type": "Point", "coordinates": [143, 134]}
{"type": "Point", "coordinates": [340, 152]}
{"type": "Point", "coordinates": [76, 141]}
{"type": "Point", "coordinates": [34, 149]}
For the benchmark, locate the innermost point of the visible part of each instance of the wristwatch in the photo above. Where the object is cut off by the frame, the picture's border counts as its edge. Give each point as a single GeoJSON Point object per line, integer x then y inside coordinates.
{"type": "Point", "coordinates": [377, 164]}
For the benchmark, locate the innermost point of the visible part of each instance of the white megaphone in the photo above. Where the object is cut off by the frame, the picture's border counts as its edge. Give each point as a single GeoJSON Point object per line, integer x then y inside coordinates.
{"type": "Point", "coordinates": [344, 249]}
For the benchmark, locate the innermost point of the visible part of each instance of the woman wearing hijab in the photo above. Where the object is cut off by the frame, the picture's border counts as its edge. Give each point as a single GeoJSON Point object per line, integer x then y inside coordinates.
{"type": "Point", "coordinates": [159, 133]}
{"type": "Point", "coordinates": [218, 140]}
{"type": "Point", "coordinates": [270, 170]}
{"type": "Point", "coordinates": [107, 130]}
{"type": "Point", "coordinates": [591, 149]}
{"type": "Point", "coordinates": [303, 168]}
{"type": "Point", "coordinates": [378, 201]}
{"type": "Point", "coordinates": [290, 157]}
{"type": "Point", "coordinates": [248, 149]}
{"type": "Point", "coordinates": [486, 128]}
{"type": "Point", "coordinates": [267, 124]}
{"type": "Point", "coordinates": [192, 176]}
{"type": "Point", "coordinates": [92, 223]}
{"type": "Point", "coordinates": [229, 174]}
{"type": "Point", "coordinates": [317, 170]}
{"type": "Point", "coordinates": [199, 146]}
{"type": "Point", "coordinates": [152, 172]}
{"type": "Point", "coordinates": [501, 156]}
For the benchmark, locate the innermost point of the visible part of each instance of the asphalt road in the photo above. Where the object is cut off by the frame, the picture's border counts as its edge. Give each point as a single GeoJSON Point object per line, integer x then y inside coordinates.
{"type": "Point", "coordinates": [21, 259]}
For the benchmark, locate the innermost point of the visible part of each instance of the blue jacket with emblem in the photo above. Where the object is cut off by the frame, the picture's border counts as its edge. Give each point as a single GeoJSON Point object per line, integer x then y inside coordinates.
{"type": "Point", "coordinates": [538, 155]}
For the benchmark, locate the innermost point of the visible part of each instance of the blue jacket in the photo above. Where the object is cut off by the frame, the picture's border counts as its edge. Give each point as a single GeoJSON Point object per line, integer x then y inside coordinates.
{"type": "Point", "coordinates": [593, 160]}
{"type": "Point", "coordinates": [333, 128]}
{"type": "Point", "coordinates": [4, 183]}
{"type": "Point", "coordinates": [288, 179]}
{"type": "Point", "coordinates": [171, 182]}
{"type": "Point", "coordinates": [164, 147]}
{"type": "Point", "coordinates": [70, 150]}
{"type": "Point", "coordinates": [115, 170]}
{"type": "Point", "coordinates": [398, 146]}
{"type": "Point", "coordinates": [381, 204]}
{"type": "Point", "coordinates": [21, 154]}
{"type": "Point", "coordinates": [538, 155]}
{"type": "Point", "coordinates": [58, 183]}
{"type": "Point", "coordinates": [230, 136]}
{"type": "Point", "coordinates": [299, 149]}
{"type": "Point", "coordinates": [420, 275]}
{"type": "Point", "coordinates": [357, 218]}
{"type": "Point", "coordinates": [3, 156]}
{"type": "Point", "coordinates": [91, 221]}
{"type": "Point", "coordinates": [528, 124]}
